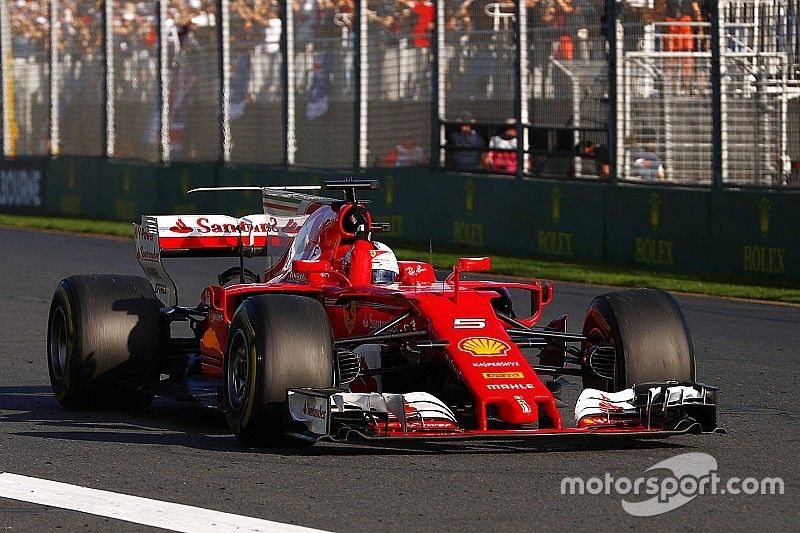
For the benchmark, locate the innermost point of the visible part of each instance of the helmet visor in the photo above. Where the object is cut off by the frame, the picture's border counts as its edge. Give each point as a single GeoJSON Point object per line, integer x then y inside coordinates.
{"type": "Point", "coordinates": [383, 276]}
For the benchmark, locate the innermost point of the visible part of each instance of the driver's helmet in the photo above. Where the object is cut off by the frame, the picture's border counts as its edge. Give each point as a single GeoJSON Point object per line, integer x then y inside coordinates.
{"type": "Point", "coordinates": [384, 264]}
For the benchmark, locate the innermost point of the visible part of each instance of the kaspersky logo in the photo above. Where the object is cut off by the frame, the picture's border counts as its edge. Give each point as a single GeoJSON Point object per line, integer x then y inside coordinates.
{"type": "Point", "coordinates": [484, 347]}
{"type": "Point", "coordinates": [180, 227]}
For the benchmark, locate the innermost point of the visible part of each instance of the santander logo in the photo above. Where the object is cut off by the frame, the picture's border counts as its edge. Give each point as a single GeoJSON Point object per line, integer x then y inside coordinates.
{"type": "Point", "coordinates": [291, 227]}
{"type": "Point", "coordinates": [314, 412]}
{"type": "Point", "coordinates": [180, 227]}
{"type": "Point", "coordinates": [217, 225]}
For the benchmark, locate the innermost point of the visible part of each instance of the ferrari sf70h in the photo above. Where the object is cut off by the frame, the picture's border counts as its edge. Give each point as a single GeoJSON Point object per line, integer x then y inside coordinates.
{"type": "Point", "coordinates": [337, 340]}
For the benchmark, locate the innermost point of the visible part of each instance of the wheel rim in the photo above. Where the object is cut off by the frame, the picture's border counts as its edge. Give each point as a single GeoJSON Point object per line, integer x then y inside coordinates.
{"type": "Point", "coordinates": [238, 375]}
{"type": "Point", "coordinates": [58, 343]}
{"type": "Point", "coordinates": [593, 338]}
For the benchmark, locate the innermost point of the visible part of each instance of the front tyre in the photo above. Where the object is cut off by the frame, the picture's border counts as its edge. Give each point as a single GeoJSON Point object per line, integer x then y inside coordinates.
{"type": "Point", "coordinates": [275, 342]}
{"type": "Point", "coordinates": [649, 335]}
{"type": "Point", "coordinates": [104, 339]}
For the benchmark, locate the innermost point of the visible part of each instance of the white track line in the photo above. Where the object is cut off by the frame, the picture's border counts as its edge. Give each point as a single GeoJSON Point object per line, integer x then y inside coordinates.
{"type": "Point", "coordinates": [134, 509]}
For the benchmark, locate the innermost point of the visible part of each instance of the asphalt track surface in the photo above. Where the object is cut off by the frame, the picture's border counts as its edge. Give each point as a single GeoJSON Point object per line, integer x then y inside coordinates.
{"type": "Point", "coordinates": [182, 453]}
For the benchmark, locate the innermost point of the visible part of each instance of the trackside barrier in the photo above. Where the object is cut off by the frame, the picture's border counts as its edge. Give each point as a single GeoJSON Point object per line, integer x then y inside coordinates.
{"type": "Point", "coordinates": [661, 228]}
{"type": "Point", "coordinates": [752, 234]}
{"type": "Point", "coordinates": [755, 234]}
{"type": "Point", "coordinates": [22, 185]}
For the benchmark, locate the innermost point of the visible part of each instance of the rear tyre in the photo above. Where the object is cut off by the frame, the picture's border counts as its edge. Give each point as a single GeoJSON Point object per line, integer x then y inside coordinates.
{"type": "Point", "coordinates": [104, 338]}
{"type": "Point", "coordinates": [649, 334]}
{"type": "Point", "coordinates": [275, 342]}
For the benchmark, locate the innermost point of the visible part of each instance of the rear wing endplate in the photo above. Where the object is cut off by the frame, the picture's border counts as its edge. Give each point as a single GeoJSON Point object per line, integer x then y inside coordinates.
{"type": "Point", "coordinates": [168, 236]}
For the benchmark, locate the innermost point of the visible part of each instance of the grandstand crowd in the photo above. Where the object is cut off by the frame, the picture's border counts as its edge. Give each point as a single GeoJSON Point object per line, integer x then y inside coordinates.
{"type": "Point", "coordinates": [478, 57]}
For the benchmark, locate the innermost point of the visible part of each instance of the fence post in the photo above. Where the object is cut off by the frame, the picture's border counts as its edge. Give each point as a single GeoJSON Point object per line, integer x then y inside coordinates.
{"type": "Point", "coordinates": [5, 58]}
{"type": "Point", "coordinates": [223, 36]}
{"type": "Point", "coordinates": [361, 68]}
{"type": "Point", "coordinates": [437, 80]}
{"type": "Point", "coordinates": [108, 88]}
{"type": "Point", "coordinates": [55, 73]}
{"type": "Point", "coordinates": [521, 89]}
{"type": "Point", "coordinates": [288, 75]}
{"type": "Point", "coordinates": [442, 88]}
{"type": "Point", "coordinates": [716, 96]}
{"type": "Point", "coordinates": [163, 81]}
{"type": "Point", "coordinates": [611, 29]}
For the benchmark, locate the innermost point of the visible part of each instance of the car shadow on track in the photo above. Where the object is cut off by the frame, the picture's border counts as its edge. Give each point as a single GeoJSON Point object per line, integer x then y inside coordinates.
{"type": "Point", "coordinates": [168, 423]}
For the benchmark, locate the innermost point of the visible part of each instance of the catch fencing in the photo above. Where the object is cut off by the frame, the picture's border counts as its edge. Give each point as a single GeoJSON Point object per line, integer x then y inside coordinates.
{"type": "Point", "coordinates": [684, 93]}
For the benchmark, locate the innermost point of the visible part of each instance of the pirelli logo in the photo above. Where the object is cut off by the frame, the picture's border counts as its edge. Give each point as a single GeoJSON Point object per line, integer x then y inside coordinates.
{"type": "Point", "coordinates": [503, 375]}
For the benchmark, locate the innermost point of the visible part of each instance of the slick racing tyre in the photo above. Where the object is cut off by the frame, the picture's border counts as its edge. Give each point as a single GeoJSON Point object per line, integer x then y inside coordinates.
{"type": "Point", "coordinates": [649, 337]}
{"type": "Point", "coordinates": [104, 338]}
{"type": "Point", "coordinates": [275, 342]}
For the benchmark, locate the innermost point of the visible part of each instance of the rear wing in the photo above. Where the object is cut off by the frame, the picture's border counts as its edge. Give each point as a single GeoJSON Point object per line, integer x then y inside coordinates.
{"type": "Point", "coordinates": [159, 237]}
{"type": "Point", "coordinates": [287, 200]}
{"type": "Point", "coordinates": [269, 234]}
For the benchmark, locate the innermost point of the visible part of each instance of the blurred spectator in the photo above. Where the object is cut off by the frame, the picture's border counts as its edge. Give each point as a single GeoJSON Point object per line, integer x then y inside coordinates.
{"type": "Point", "coordinates": [480, 63]}
{"type": "Point", "coordinates": [405, 153]}
{"type": "Point", "coordinates": [598, 155]}
{"type": "Point", "coordinates": [681, 39]}
{"type": "Point", "coordinates": [421, 13]}
{"type": "Point", "coordinates": [464, 145]}
{"type": "Point", "coordinates": [540, 38]}
{"type": "Point", "coordinates": [644, 163]}
{"type": "Point", "coordinates": [559, 15]}
{"type": "Point", "coordinates": [267, 17]}
{"type": "Point", "coordinates": [502, 154]}
{"type": "Point", "coordinates": [382, 40]}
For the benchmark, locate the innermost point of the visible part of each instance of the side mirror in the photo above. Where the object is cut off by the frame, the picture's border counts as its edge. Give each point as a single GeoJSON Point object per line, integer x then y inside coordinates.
{"type": "Point", "coordinates": [474, 264]}
{"type": "Point", "coordinates": [547, 292]}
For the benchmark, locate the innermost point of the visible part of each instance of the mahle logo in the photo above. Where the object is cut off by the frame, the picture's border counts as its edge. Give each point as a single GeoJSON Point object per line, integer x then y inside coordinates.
{"type": "Point", "coordinates": [764, 207]}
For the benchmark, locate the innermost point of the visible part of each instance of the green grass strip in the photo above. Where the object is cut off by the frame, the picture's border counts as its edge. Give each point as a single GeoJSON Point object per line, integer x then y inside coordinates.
{"type": "Point", "coordinates": [75, 225]}
{"type": "Point", "coordinates": [442, 257]}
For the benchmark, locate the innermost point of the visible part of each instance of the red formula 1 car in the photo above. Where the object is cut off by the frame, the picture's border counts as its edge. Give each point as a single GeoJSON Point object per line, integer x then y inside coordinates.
{"type": "Point", "coordinates": [340, 341]}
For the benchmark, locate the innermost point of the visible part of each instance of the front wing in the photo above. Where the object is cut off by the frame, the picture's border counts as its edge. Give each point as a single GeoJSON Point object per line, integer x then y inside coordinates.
{"type": "Point", "coordinates": [645, 411]}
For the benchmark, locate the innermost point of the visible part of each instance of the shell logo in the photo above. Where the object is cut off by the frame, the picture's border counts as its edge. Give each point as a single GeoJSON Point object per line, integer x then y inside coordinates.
{"type": "Point", "coordinates": [484, 346]}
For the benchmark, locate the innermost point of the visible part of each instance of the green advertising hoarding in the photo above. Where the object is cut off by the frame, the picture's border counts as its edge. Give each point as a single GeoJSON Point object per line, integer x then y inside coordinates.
{"type": "Point", "coordinates": [657, 227]}
{"type": "Point", "coordinates": [756, 234]}
{"type": "Point", "coordinates": [556, 219]}
{"type": "Point", "coordinates": [751, 234]}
